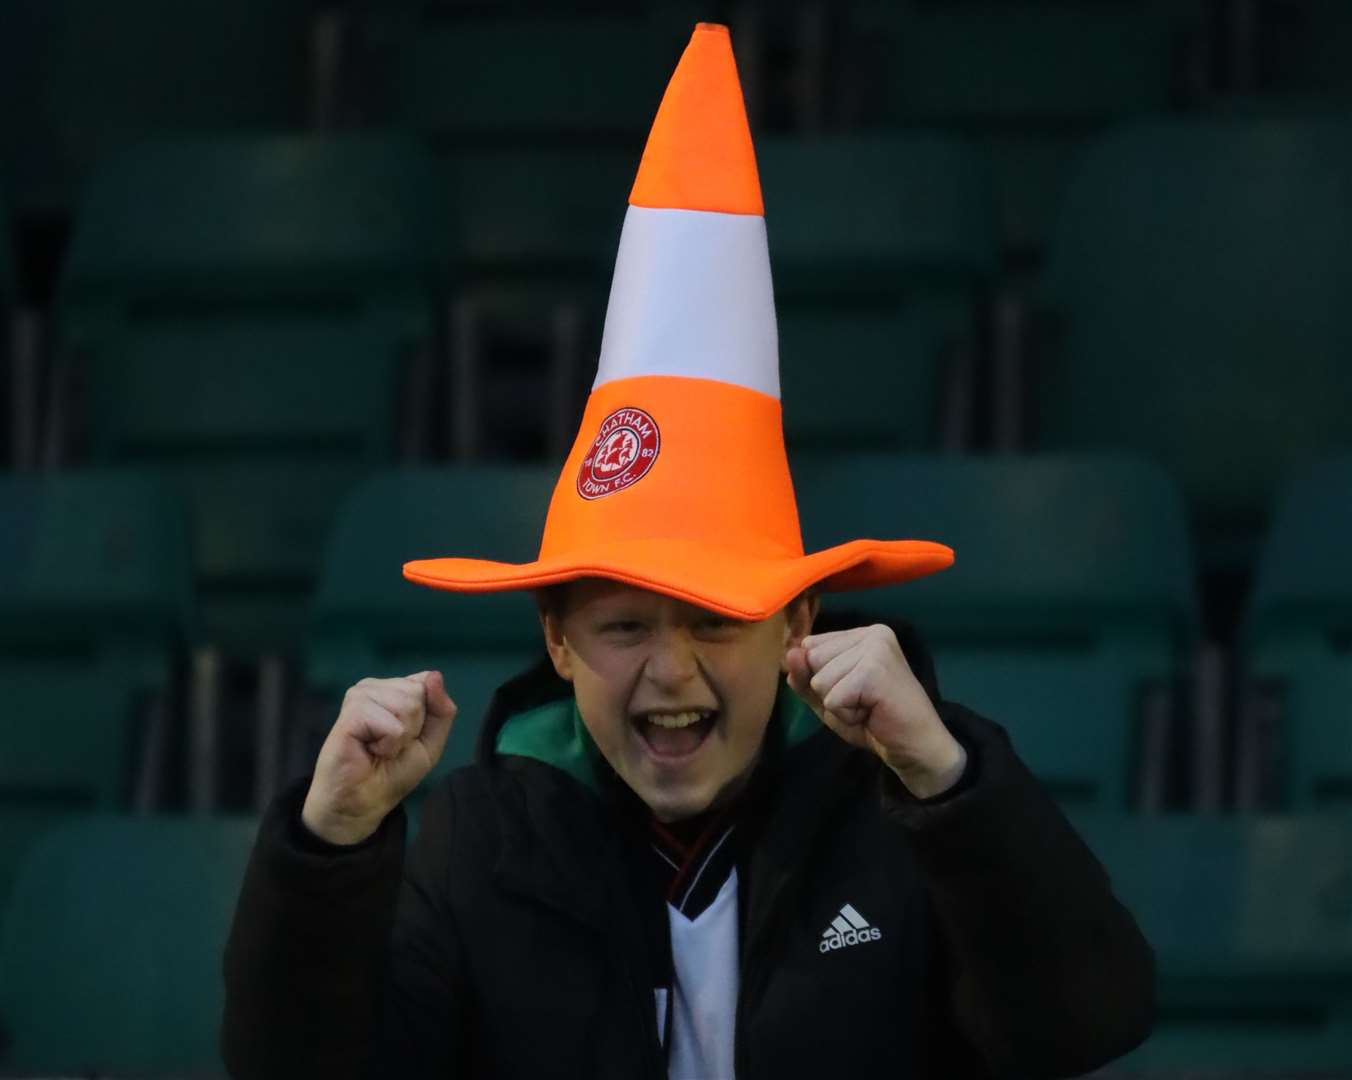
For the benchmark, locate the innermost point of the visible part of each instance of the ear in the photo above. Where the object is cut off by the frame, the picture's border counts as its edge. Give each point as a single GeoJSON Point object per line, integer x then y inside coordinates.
{"type": "Point", "coordinates": [551, 625]}
{"type": "Point", "coordinates": [798, 617]}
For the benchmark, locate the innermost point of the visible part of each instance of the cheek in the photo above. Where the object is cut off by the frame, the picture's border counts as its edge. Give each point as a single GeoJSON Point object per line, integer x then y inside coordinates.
{"type": "Point", "coordinates": [603, 688]}
{"type": "Point", "coordinates": [748, 690]}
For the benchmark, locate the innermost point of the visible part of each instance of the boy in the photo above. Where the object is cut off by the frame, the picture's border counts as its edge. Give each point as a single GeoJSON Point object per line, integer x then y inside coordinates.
{"type": "Point", "coordinates": [701, 841]}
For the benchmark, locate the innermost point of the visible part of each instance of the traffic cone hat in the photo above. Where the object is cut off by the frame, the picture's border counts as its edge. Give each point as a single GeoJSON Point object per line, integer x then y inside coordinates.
{"type": "Point", "coordinates": [678, 481]}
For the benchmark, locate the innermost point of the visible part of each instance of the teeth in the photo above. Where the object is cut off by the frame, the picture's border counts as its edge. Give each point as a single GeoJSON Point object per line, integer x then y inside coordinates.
{"type": "Point", "coordinates": [675, 720]}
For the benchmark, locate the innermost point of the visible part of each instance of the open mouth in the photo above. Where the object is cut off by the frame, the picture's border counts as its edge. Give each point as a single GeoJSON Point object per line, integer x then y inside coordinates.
{"type": "Point", "coordinates": [675, 735]}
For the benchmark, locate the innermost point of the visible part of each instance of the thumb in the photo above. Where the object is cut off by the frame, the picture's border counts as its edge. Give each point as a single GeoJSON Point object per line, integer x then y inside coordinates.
{"type": "Point", "coordinates": [800, 677]}
{"type": "Point", "coordinates": [438, 702]}
{"type": "Point", "coordinates": [438, 715]}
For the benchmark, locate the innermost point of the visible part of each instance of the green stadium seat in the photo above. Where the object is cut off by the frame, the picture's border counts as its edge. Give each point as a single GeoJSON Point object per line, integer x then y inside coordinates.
{"type": "Point", "coordinates": [1025, 60]}
{"type": "Point", "coordinates": [538, 214]}
{"type": "Point", "coordinates": [1251, 922]}
{"type": "Point", "coordinates": [883, 248]}
{"type": "Point", "coordinates": [95, 606]}
{"type": "Point", "coordinates": [369, 621]}
{"type": "Point", "coordinates": [534, 235]}
{"type": "Point", "coordinates": [1070, 603]}
{"type": "Point", "coordinates": [875, 215]}
{"type": "Point", "coordinates": [110, 950]}
{"type": "Point", "coordinates": [1297, 635]}
{"type": "Point", "coordinates": [246, 313]}
{"type": "Point", "coordinates": [1197, 275]}
{"type": "Point", "coordinates": [868, 379]}
{"type": "Point", "coordinates": [80, 79]}
{"type": "Point", "coordinates": [521, 77]}
{"type": "Point", "coordinates": [1031, 79]}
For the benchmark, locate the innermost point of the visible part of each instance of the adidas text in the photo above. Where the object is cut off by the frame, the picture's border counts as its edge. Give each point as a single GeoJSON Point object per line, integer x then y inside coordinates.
{"type": "Point", "coordinates": [850, 937]}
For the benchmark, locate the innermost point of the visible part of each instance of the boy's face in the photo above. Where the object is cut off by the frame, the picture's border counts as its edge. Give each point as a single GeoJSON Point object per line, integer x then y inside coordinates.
{"type": "Point", "coordinates": [676, 698]}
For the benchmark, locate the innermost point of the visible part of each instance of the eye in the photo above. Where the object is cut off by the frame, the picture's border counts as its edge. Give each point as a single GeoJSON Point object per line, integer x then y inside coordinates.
{"type": "Point", "coordinates": [717, 624]}
{"type": "Point", "coordinates": [621, 626]}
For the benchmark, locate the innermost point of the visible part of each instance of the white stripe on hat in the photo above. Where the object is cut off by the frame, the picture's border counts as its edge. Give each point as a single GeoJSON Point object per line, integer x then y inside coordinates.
{"type": "Point", "coordinates": [692, 296]}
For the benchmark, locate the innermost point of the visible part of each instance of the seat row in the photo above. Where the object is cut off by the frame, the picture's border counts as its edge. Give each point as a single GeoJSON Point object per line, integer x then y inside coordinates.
{"type": "Point", "coordinates": [1070, 615]}
{"type": "Point", "coordinates": [270, 319]}
{"type": "Point", "coordinates": [1064, 618]}
{"type": "Point", "coordinates": [1031, 78]}
{"type": "Point", "coordinates": [111, 939]}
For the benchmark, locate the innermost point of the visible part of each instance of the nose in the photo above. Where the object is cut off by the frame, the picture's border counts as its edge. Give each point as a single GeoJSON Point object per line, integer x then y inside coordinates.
{"type": "Point", "coordinates": [671, 659]}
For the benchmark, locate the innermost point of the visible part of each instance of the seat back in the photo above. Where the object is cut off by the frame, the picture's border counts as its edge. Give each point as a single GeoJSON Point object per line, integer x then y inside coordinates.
{"type": "Point", "coordinates": [1250, 919]}
{"type": "Point", "coordinates": [883, 247]}
{"type": "Point", "coordinates": [246, 312]}
{"type": "Point", "coordinates": [868, 379]}
{"type": "Point", "coordinates": [369, 621]}
{"type": "Point", "coordinates": [1298, 636]}
{"type": "Point", "coordinates": [458, 75]}
{"type": "Point", "coordinates": [1028, 61]}
{"type": "Point", "coordinates": [1070, 603]}
{"type": "Point", "coordinates": [1031, 80]}
{"type": "Point", "coordinates": [95, 608]}
{"type": "Point", "coordinates": [80, 80]}
{"type": "Point", "coordinates": [1192, 332]}
{"type": "Point", "coordinates": [111, 946]}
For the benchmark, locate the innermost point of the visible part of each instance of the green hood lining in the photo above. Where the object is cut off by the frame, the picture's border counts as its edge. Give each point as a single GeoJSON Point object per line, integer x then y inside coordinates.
{"type": "Point", "coordinates": [555, 734]}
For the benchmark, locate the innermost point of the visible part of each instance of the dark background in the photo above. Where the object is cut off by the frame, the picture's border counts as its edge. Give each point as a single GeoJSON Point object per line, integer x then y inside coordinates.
{"type": "Point", "coordinates": [293, 292]}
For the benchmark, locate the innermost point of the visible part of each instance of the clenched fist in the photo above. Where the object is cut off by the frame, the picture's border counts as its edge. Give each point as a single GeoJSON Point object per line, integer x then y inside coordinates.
{"type": "Point", "coordinates": [859, 684]}
{"type": "Point", "coordinates": [388, 735]}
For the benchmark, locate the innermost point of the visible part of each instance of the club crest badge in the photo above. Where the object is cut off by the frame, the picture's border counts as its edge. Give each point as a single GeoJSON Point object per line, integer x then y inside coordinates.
{"type": "Point", "coordinates": [620, 456]}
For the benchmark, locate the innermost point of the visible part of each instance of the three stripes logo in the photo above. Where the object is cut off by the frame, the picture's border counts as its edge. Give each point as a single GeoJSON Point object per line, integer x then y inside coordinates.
{"type": "Point", "coordinates": [847, 928]}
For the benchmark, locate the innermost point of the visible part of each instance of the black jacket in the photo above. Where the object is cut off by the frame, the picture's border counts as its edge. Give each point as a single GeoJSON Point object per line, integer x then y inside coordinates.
{"type": "Point", "coordinates": [513, 944]}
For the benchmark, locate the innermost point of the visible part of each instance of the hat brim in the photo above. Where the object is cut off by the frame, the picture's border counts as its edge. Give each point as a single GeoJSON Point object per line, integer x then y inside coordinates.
{"type": "Point", "coordinates": [729, 582]}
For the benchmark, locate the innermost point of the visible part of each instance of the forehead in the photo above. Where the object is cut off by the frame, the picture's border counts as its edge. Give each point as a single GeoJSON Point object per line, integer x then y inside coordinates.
{"type": "Point", "coordinates": [595, 594]}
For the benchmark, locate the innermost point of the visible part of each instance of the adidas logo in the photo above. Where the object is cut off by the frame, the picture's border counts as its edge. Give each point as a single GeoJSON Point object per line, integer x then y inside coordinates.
{"type": "Point", "coordinates": [847, 928]}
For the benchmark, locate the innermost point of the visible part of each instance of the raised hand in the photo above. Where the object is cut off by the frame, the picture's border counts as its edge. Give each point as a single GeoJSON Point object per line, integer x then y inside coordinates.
{"type": "Point", "coordinates": [388, 735]}
{"type": "Point", "coordinates": [859, 684]}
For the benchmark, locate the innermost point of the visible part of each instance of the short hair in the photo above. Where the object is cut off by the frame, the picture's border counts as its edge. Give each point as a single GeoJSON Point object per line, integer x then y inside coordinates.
{"type": "Point", "coordinates": [552, 599]}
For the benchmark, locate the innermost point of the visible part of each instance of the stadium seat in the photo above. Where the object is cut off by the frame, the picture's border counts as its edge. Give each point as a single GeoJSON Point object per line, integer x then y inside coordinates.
{"type": "Point", "coordinates": [369, 621]}
{"type": "Point", "coordinates": [1251, 922]}
{"type": "Point", "coordinates": [1033, 59]}
{"type": "Point", "coordinates": [80, 79]}
{"type": "Point", "coordinates": [1067, 614]}
{"type": "Point", "coordinates": [95, 606]}
{"type": "Point", "coordinates": [1031, 79]}
{"type": "Point", "coordinates": [868, 380]}
{"type": "Point", "coordinates": [246, 313]}
{"type": "Point", "coordinates": [883, 248]}
{"type": "Point", "coordinates": [110, 950]}
{"type": "Point", "coordinates": [534, 234]}
{"type": "Point", "coordinates": [519, 77]}
{"type": "Point", "coordinates": [1197, 275]}
{"type": "Point", "coordinates": [1296, 641]}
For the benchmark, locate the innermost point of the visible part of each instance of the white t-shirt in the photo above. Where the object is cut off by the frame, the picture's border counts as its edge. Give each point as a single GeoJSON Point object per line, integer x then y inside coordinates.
{"type": "Point", "coordinates": [704, 953]}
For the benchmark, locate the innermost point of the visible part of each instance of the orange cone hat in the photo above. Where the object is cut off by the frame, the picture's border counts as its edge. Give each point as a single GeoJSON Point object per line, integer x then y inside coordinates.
{"type": "Point", "coordinates": [678, 481]}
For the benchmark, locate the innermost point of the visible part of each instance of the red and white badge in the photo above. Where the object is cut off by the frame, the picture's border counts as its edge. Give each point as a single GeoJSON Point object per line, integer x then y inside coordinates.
{"type": "Point", "coordinates": [621, 454]}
